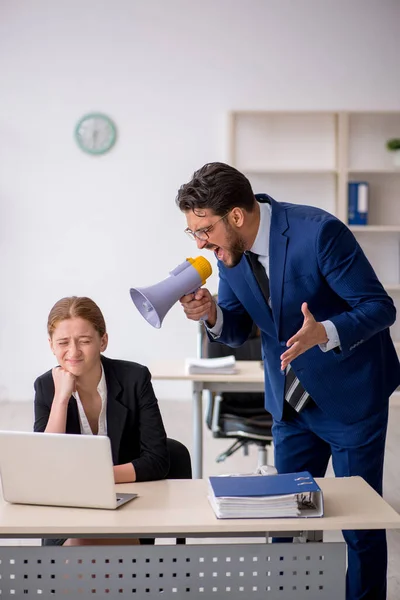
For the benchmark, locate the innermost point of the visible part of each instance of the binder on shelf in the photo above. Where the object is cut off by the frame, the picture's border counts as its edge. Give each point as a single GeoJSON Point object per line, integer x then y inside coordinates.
{"type": "Point", "coordinates": [268, 496]}
{"type": "Point", "coordinates": [358, 192]}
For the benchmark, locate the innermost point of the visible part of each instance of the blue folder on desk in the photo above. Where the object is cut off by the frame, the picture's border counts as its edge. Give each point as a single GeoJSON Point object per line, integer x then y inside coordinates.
{"type": "Point", "coordinates": [266, 496]}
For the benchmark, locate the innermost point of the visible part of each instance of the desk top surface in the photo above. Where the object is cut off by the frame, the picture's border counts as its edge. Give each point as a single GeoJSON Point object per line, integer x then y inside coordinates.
{"type": "Point", "coordinates": [181, 507]}
{"type": "Point", "coordinates": [248, 371]}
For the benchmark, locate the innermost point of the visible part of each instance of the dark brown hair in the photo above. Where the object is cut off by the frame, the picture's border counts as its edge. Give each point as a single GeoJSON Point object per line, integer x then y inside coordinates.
{"type": "Point", "coordinates": [217, 186]}
{"type": "Point", "coordinates": [75, 306]}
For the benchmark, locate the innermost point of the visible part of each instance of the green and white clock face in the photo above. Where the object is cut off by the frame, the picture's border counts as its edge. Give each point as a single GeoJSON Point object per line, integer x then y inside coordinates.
{"type": "Point", "coordinates": [95, 133]}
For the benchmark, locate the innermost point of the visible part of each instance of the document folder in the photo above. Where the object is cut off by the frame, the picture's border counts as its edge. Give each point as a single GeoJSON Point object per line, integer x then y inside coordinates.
{"type": "Point", "coordinates": [266, 496]}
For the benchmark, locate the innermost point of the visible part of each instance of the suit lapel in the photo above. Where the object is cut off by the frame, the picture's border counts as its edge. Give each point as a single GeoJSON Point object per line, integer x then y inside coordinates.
{"type": "Point", "coordinates": [277, 258]}
{"type": "Point", "coordinates": [116, 412]}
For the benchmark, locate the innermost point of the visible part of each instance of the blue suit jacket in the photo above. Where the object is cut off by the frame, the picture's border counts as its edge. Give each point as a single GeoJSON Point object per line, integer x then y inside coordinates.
{"type": "Point", "coordinates": [314, 258]}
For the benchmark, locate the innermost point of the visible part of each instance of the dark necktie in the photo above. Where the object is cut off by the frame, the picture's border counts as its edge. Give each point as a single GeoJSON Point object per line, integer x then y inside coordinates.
{"type": "Point", "coordinates": [260, 274]}
{"type": "Point", "coordinates": [295, 394]}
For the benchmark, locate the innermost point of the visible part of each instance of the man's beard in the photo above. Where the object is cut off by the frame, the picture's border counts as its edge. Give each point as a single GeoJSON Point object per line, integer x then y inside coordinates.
{"type": "Point", "coordinates": [234, 245]}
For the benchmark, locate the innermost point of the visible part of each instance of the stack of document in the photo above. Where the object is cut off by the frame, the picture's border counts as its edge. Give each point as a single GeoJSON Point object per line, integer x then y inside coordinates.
{"type": "Point", "coordinates": [268, 496]}
{"type": "Point", "coordinates": [225, 365]}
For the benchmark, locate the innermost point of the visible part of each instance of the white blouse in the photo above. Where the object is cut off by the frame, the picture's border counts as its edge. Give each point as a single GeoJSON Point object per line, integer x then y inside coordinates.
{"type": "Point", "coordinates": [83, 421]}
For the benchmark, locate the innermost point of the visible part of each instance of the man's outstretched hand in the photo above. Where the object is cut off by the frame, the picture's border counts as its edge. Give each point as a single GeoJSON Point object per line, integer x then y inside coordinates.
{"type": "Point", "coordinates": [311, 334]}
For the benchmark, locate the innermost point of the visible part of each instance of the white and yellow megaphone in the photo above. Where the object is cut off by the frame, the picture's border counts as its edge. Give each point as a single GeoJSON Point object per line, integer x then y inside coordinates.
{"type": "Point", "coordinates": [154, 302]}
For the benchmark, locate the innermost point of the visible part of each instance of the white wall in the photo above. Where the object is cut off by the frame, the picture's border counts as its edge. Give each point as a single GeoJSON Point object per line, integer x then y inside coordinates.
{"type": "Point", "coordinates": [167, 72]}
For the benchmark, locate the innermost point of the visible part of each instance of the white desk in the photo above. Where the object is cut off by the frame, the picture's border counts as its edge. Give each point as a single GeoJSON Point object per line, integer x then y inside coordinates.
{"type": "Point", "coordinates": [200, 570]}
{"type": "Point", "coordinates": [249, 378]}
{"type": "Point", "coordinates": [180, 507]}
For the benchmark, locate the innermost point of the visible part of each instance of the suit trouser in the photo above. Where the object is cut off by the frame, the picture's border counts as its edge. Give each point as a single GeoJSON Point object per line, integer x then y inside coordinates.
{"type": "Point", "coordinates": [305, 442]}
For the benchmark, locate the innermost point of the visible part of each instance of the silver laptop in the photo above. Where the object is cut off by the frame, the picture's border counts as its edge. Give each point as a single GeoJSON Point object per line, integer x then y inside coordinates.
{"type": "Point", "coordinates": [55, 469]}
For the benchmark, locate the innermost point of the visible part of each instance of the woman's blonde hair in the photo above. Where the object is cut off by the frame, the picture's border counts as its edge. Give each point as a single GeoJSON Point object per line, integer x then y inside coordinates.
{"type": "Point", "coordinates": [75, 306]}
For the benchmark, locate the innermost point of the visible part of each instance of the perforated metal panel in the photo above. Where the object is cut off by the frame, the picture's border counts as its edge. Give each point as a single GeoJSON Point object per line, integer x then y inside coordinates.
{"type": "Point", "coordinates": [237, 571]}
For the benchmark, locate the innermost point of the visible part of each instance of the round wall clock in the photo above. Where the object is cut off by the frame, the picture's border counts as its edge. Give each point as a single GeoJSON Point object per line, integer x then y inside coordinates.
{"type": "Point", "coordinates": [95, 133]}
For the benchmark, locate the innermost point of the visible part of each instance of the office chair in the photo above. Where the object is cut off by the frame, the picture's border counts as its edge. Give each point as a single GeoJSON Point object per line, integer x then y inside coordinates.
{"type": "Point", "coordinates": [180, 465]}
{"type": "Point", "coordinates": [238, 415]}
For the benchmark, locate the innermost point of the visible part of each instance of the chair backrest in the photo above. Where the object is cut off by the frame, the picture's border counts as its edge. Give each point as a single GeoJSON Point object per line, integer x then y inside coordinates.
{"type": "Point", "coordinates": [250, 350]}
{"type": "Point", "coordinates": [243, 404]}
{"type": "Point", "coordinates": [180, 466]}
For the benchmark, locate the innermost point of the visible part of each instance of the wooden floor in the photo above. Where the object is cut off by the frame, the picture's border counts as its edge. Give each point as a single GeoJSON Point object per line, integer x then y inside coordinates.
{"type": "Point", "coordinates": [178, 423]}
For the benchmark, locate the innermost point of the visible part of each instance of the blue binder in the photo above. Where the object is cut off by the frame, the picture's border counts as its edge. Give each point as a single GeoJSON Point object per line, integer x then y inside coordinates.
{"type": "Point", "coordinates": [268, 485]}
{"type": "Point", "coordinates": [358, 202]}
{"type": "Point", "coordinates": [239, 488]}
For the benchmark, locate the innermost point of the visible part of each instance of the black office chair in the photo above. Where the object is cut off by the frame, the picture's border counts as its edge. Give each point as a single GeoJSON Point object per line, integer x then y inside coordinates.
{"type": "Point", "coordinates": [238, 415]}
{"type": "Point", "coordinates": [180, 466]}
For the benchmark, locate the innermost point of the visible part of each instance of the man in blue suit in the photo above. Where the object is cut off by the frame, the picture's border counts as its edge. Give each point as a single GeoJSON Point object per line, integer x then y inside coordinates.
{"type": "Point", "coordinates": [330, 364]}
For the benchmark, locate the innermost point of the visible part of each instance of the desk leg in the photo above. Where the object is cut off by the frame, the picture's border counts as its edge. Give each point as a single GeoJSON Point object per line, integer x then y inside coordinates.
{"type": "Point", "coordinates": [197, 433]}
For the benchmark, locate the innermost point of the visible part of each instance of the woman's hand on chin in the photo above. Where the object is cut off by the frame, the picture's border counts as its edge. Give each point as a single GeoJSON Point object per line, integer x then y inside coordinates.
{"type": "Point", "coordinates": [64, 385]}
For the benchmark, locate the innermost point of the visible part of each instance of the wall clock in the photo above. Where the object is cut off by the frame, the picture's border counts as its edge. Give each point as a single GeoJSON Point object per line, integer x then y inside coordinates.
{"type": "Point", "coordinates": [95, 133]}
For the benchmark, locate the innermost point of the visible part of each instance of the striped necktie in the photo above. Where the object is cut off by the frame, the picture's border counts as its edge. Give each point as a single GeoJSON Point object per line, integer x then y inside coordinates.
{"type": "Point", "coordinates": [295, 394]}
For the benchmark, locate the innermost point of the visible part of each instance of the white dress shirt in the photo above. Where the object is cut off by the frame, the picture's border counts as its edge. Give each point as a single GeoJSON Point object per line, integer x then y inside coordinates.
{"type": "Point", "coordinates": [83, 421]}
{"type": "Point", "coordinates": [261, 248]}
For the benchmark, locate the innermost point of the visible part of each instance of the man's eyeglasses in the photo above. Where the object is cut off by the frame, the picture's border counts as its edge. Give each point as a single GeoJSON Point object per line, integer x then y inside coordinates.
{"type": "Point", "coordinates": [203, 234]}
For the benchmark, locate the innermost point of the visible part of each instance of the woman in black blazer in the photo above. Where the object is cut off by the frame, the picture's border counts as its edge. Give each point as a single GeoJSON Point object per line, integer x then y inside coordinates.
{"type": "Point", "coordinates": [91, 394]}
{"type": "Point", "coordinates": [134, 423]}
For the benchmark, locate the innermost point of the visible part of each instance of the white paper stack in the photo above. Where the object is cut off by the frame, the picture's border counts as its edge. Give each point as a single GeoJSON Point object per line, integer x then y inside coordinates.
{"type": "Point", "coordinates": [225, 365]}
{"type": "Point", "coordinates": [255, 508]}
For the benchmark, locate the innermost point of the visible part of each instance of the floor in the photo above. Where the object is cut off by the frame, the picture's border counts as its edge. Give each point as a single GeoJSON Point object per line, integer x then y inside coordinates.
{"type": "Point", "coordinates": [177, 419]}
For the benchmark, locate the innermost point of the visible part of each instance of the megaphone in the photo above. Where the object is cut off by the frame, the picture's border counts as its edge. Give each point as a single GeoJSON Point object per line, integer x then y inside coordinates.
{"type": "Point", "coordinates": [154, 302]}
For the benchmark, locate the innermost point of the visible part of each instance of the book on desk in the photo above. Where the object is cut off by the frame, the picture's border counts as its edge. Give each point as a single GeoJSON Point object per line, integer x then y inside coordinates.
{"type": "Point", "coordinates": [266, 496]}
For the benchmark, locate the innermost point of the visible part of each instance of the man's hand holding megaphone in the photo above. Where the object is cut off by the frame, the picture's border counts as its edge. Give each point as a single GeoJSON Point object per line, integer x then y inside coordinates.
{"type": "Point", "coordinates": [184, 283]}
{"type": "Point", "coordinates": [198, 305]}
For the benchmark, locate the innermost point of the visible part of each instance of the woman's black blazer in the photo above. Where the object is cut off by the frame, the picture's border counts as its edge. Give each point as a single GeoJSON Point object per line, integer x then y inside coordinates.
{"type": "Point", "coordinates": [134, 423]}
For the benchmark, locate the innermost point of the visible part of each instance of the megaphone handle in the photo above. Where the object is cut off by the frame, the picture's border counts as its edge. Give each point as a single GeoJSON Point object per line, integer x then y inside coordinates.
{"type": "Point", "coordinates": [204, 318]}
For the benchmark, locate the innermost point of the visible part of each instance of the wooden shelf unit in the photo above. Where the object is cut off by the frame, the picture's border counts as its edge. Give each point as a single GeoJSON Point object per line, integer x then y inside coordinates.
{"type": "Point", "coordinates": [309, 157]}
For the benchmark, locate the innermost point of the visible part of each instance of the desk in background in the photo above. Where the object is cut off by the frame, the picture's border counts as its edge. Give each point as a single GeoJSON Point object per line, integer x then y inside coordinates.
{"type": "Point", "coordinates": [179, 508]}
{"type": "Point", "coordinates": [249, 378]}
